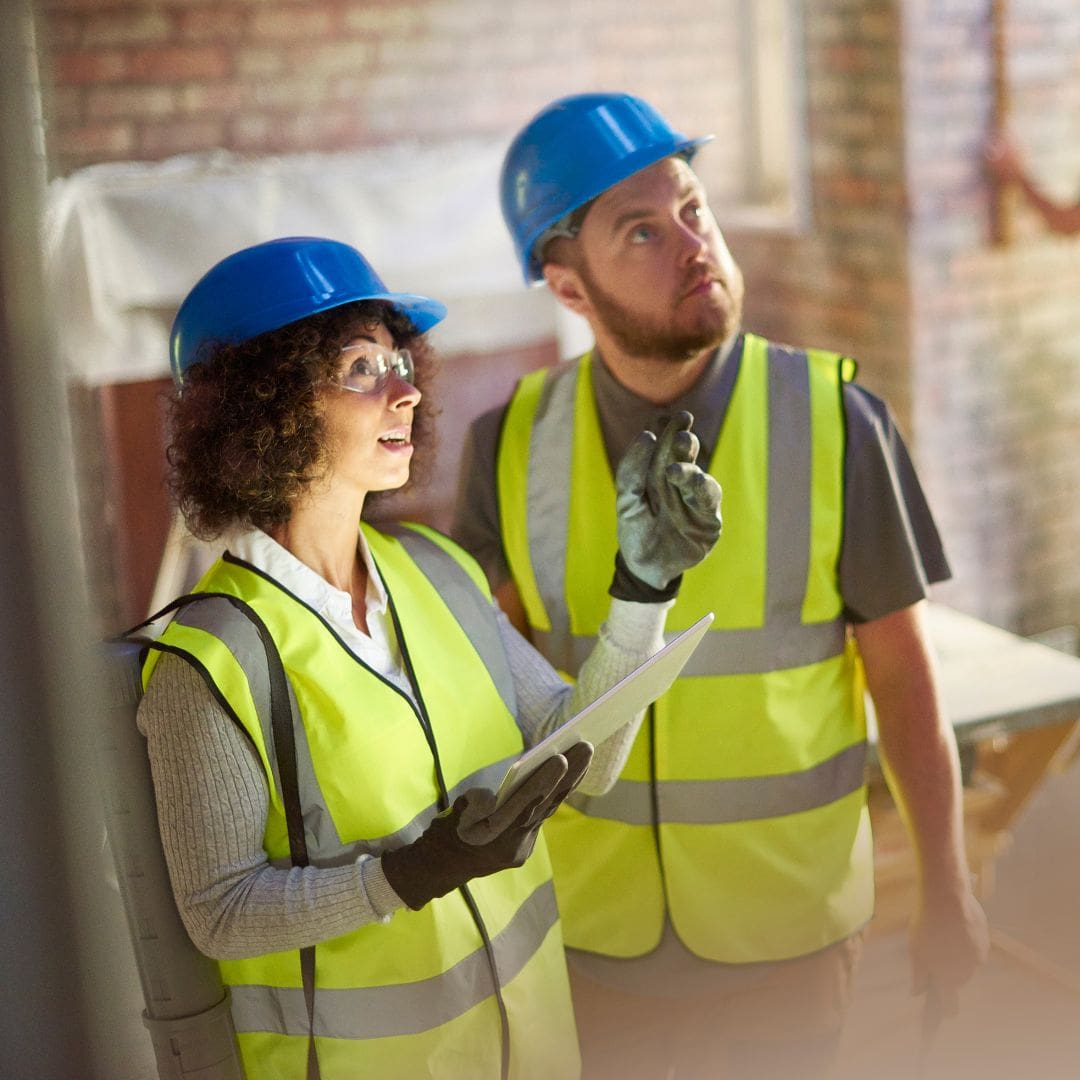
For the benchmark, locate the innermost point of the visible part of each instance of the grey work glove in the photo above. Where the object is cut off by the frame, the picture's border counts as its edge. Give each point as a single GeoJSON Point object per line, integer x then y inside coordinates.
{"type": "Point", "coordinates": [473, 839]}
{"type": "Point", "coordinates": [667, 510]}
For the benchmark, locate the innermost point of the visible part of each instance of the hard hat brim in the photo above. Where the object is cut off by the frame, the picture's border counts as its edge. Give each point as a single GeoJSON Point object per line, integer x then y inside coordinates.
{"type": "Point", "coordinates": [269, 286]}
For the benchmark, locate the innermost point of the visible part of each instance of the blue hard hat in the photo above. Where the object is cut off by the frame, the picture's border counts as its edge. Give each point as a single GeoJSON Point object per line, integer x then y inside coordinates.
{"type": "Point", "coordinates": [270, 285]}
{"type": "Point", "coordinates": [573, 150]}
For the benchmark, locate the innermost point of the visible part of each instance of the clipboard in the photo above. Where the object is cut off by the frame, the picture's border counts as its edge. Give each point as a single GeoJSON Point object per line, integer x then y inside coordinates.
{"type": "Point", "coordinates": [614, 707]}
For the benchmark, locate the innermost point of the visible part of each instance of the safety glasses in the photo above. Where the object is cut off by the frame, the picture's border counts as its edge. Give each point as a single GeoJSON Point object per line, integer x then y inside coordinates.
{"type": "Point", "coordinates": [366, 367]}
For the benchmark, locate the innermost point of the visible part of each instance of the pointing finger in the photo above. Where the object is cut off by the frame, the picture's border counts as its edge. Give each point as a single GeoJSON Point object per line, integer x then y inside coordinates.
{"type": "Point", "coordinates": [633, 470]}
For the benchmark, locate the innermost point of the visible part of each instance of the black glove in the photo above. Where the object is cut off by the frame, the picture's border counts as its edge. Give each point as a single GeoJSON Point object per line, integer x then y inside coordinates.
{"type": "Point", "coordinates": [474, 839]}
{"type": "Point", "coordinates": [667, 510]}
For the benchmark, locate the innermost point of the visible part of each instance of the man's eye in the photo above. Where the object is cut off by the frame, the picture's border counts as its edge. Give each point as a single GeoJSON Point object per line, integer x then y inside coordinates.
{"type": "Point", "coordinates": [641, 234]}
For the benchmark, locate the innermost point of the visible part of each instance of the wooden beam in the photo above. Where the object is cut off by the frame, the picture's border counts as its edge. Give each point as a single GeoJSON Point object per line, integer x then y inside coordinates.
{"type": "Point", "coordinates": [1000, 211]}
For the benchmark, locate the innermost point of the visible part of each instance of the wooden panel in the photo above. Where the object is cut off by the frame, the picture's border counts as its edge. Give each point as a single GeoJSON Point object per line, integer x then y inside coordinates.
{"type": "Point", "coordinates": [137, 504]}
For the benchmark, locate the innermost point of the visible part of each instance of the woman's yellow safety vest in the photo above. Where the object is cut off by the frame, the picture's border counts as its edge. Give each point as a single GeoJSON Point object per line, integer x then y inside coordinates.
{"type": "Point", "coordinates": [420, 994]}
{"type": "Point", "coordinates": [741, 811]}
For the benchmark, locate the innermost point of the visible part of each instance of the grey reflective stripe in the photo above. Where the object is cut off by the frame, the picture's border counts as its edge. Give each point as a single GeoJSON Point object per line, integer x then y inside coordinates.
{"type": "Point", "coordinates": [720, 802]}
{"type": "Point", "coordinates": [338, 854]}
{"type": "Point", "coordinates": [469, 606]}
{"type": "Point", "coordinates": [218, 617]}
{"type": "Point", "coordinates": [374, 1012]}
{"type": "Point", "coordinates": [550, 469]}
{"type": "Point", "coordinates": [733, 652]}
{"type": "Point", "coordinates": [783, 641]}
{"type": "Point", "coordinates": [790, 452]}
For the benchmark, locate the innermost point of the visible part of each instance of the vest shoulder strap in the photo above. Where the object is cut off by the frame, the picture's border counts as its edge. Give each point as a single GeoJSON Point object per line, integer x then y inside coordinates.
{"type": "Point", "coordinates": [462, 587]}
{"type": "Point", "coordinates": [234, 619]}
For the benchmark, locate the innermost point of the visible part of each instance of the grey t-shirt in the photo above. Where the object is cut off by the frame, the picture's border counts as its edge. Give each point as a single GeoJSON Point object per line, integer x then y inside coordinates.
{"type": "Point", "coordinates": [891, 553]}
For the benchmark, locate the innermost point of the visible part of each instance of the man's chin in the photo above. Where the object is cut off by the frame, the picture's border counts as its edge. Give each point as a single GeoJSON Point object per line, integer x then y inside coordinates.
{"type": "Point", "coordinates": [711, 336]}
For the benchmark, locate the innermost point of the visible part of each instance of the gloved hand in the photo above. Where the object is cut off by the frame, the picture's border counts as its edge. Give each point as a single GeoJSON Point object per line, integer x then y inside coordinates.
{"type": "Point", "coordinates": [668, 512]}
{"type": "Point", "coordinates": [473, 839]}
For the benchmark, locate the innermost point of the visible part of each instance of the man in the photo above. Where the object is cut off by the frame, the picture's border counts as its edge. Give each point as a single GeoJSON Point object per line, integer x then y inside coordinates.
{"type": "Point", "coordinates": [713, 901]}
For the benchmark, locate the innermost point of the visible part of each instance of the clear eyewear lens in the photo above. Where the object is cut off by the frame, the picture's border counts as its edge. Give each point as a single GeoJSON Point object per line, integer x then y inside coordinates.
{"type": "Point", "coordinates": [370, 367]}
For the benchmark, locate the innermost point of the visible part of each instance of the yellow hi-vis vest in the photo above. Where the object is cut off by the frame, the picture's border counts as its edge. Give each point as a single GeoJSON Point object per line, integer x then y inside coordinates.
{"type": "Point", "coordinates": [741, 811]}
{"type": "Point", "coordinates": [416, 996]}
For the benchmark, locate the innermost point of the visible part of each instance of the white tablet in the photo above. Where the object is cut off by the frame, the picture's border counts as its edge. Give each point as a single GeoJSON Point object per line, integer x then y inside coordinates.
{"type": "Point", "coordinates": [614, 707]}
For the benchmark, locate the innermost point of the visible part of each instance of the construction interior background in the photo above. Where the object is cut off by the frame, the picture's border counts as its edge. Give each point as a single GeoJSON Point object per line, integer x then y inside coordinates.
{"type": "Point", "coordinates": [144, 140]}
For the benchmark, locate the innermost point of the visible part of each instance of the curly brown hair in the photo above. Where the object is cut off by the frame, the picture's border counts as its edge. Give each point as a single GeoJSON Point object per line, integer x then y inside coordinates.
{"type": "Point", "coordinates": [246, 434]}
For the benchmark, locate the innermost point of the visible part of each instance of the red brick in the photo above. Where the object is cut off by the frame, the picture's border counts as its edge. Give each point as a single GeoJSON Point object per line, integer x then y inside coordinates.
{"type": "Point", "coordinates": [848, 58]}
{"type": "Point", "coordinates": [175, 63]}
{"type": "Point", "coordinates": [336, 58]}
{"type": "Point", "coordinates": [79, 66]}
{"type": "Point", "coordinates": [288, 95]}
{"type": "Point", "coordinates": [386, 21]}
{"type": "Point", "coordinates": [252, 62]}
{"type": "Point", "coordinates": [253, 131]}
{"type": "Point", "coordinates": [95, 142]}
{"type": "Point", "coordinates": [213, 24]}
{"type": "Point", "coordinates": [222, 98]}
{"type": "Point", "coordinates": [129, 101]}
{"type": "Point", "coordinates": [180, 137]}
{"type": "Point", "coordinates": [291, 22]}
{"type": "Point", "coordinates": [130, 27]}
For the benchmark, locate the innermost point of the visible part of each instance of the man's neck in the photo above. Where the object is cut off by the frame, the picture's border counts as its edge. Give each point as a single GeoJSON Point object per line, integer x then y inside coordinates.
{"type": "Point", "coordinates": [654, 379]}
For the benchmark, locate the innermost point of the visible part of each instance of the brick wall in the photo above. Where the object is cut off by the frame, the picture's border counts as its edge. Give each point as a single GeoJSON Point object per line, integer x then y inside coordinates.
{"type": "Point", "coordinates": [145, 80]}
{"type": "Point", "coordinates": [843, 283]}
{"type": "Point", "coordinates": [996, 341]}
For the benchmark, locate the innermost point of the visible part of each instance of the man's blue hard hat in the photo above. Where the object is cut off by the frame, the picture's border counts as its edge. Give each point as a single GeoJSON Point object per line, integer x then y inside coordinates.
{"type": "Point", "coordinates": [573, 150]}
{"type": "Point", "coordinates": [270, 285]}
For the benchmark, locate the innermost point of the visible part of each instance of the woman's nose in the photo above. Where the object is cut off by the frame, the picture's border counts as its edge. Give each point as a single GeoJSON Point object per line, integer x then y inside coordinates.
{"type": "Point", "coordinates": [402, 392]}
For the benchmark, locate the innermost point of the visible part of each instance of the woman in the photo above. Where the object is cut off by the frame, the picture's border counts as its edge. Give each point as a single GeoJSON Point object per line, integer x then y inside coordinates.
{"type": "Point", "coordinates": [370, 909]}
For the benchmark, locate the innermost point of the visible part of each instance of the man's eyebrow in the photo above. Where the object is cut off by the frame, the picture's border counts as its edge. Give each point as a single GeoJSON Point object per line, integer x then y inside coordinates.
{"type": "Point", "coordinates": [688, 187]}
{"type": "Point", "coordinates": [631, 213]}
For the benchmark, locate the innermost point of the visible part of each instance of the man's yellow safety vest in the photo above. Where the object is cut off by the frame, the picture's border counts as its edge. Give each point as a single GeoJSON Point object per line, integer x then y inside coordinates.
{"type": "Point", "coordinates": [741, 811]}
{"type": "Point", "coordinates": [419, 995]}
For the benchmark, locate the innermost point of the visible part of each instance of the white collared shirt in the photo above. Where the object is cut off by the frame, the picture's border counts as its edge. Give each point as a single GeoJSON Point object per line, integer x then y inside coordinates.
{"type": "Point", "coordinates": [378, 648]}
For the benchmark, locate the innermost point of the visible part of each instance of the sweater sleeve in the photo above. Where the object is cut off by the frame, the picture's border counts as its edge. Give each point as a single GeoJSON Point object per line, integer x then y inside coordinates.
{"type": "Point", "coordinates": [212, 803]}
{"type": "Point", "coordinates": [631, 633]}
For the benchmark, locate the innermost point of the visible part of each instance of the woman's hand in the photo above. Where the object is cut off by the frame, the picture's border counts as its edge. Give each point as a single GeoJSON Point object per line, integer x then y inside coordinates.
{"type": "Point", "coordinates": [474, 838]}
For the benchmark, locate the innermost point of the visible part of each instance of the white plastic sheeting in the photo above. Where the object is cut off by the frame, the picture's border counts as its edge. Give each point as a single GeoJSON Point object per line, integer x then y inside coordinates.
{"type": "Point", "coordinates": [124, 242]}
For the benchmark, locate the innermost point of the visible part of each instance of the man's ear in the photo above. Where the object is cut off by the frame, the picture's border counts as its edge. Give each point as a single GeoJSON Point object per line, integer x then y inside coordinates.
{"type": "Point", "coordinates": [567, 287]}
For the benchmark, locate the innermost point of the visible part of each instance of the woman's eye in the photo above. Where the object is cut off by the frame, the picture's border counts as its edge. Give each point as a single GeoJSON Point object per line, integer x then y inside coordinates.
{"type": "Point", "coordinates": [361, 366]}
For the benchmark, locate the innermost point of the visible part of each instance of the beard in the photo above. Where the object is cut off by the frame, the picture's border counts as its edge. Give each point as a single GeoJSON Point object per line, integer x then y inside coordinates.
{"type": "Point", "coordinates": [647, 337]}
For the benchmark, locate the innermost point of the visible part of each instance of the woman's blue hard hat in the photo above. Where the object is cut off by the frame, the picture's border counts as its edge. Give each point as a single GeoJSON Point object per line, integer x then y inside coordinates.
{"type": "Point", "coordinates": [270, 285]}
{"type": "Point", "coordinates": [573, 150]}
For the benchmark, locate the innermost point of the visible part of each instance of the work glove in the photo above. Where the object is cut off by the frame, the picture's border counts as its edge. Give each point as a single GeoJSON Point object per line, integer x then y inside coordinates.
{"type": "Point", "coordinates": [473, 838]}
{"type": "Point", "coordinates": [667, 510]}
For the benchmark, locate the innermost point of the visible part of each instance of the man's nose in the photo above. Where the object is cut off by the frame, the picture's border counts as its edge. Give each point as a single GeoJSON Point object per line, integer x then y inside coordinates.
{"type": "Point", "coordinates": [692, 245]}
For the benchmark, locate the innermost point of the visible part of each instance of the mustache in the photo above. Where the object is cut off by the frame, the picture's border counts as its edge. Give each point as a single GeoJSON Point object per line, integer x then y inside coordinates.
{"type": "Point", "coordinates": [694, 278]}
